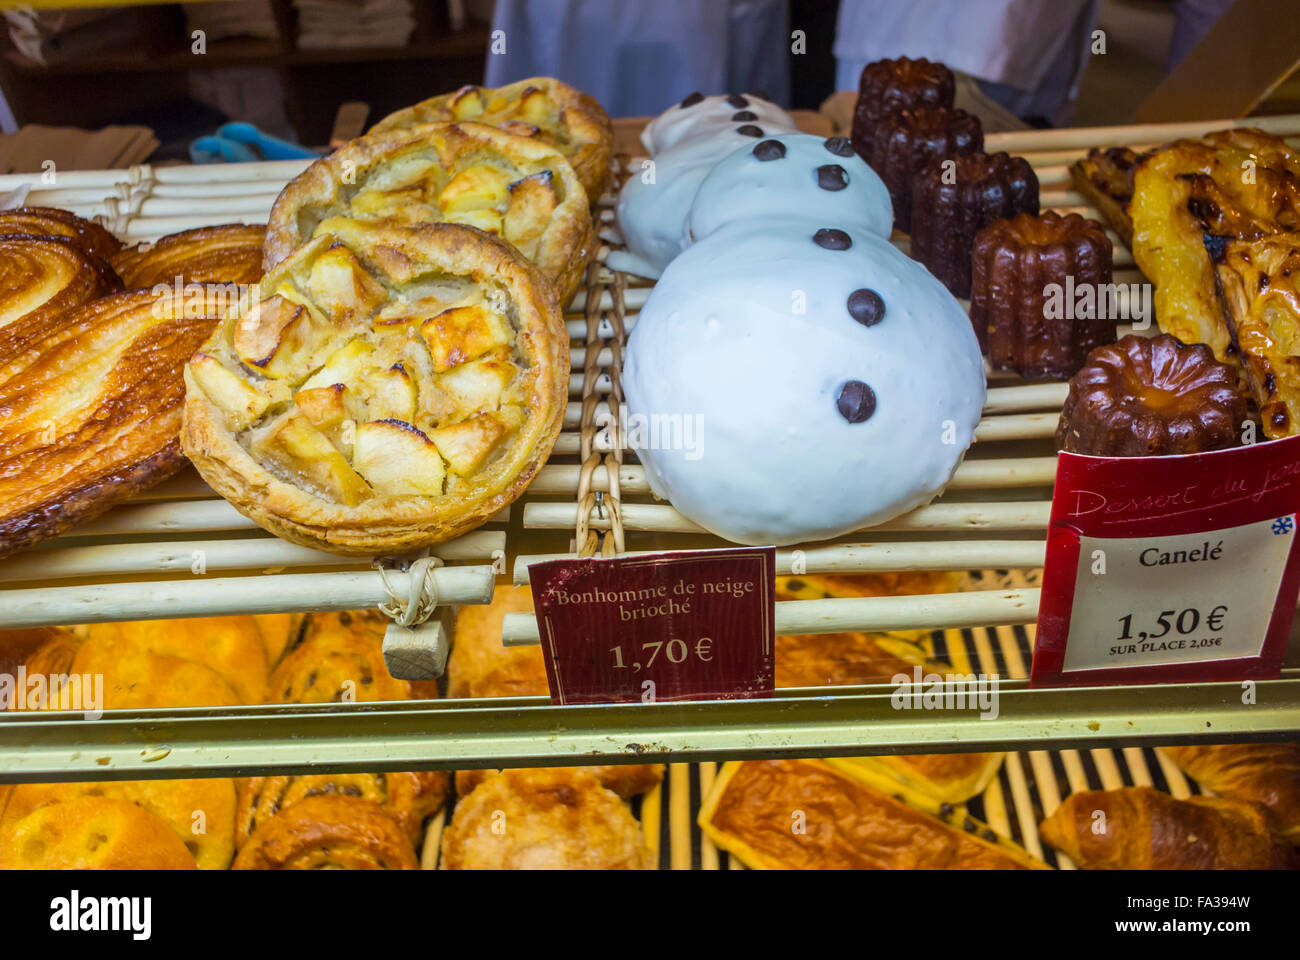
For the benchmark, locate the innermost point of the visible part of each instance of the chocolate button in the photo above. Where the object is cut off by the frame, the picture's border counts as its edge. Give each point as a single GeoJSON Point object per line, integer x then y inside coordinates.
{"type": "Point", "coordinates": [832, 177]}
{"type": "Point", "coordinates": [692, 99]}
{"type": "Point", "coordinates": [749, 130]}
{"type": "Point", "coordinates": [737, 101]}
{"type": "Point", "coordinates": [840, 146]}
{"type": "Point", "coordinates": [832, 239]}
{"type": "Point", "coordinates": [770, 150]}
{"type": "Point", "coordinates": [866, 307]}
{"type": "Point", "coordinates": [743, 116]}
{"type": "Point", "coordinates": [857, 401]}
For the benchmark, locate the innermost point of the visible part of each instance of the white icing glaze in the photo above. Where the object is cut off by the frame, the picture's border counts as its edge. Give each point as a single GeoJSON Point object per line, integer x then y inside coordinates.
{"type": "Point", "coordinates": [749, 331]}
{"type": "Point", "coordinates": [710, 116]}
{"type": "Point", "coordinates": [742, 187]}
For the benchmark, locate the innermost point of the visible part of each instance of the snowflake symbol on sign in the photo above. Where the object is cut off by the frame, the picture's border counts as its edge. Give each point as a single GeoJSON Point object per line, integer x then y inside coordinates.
{"type": "Point", "coordinates": [1282, 525]}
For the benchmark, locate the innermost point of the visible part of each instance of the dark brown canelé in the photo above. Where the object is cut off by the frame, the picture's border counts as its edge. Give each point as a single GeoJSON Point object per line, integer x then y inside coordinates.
{"type": "Point", "coordinates": [1151, 397]}
{"type": "Point", "coordinates": [1026, 277]}
{"type": "Point", "coordinates": [950, 204]}
{"type": "Point", "coordinates": [907, 140]}
{"type": "Point", "coordinates": [889, 85]}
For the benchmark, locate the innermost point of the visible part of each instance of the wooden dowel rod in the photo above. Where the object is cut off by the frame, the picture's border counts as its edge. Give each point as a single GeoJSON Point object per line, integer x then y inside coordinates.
{"type": "Point", "coordinates": [1130, 135]}
{"type": "Point", "coordinates": [270, 170]}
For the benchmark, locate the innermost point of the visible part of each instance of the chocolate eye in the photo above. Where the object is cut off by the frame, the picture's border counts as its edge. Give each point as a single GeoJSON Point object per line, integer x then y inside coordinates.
{"type": "Point", "coordinates": [737, 101]}
{"type": "Point", "coordinates": [770, 150]}
{"type": "Point", "coordinates": [692, 99]}
{"type": "Point", "coordinates": [857, 401]}
{"type": "Point", "coordinates": [744, 116]}
{"type": "Point", "coordinates": [832, 239]}
{"type": "Point", "coordinates": [866, 307]}
{"type": "Point", "coordinates": [832, 177]}
{"type": "Point", "coordinates": [749, 130]}
{"type": "Point", "coordinates": [840, 146]}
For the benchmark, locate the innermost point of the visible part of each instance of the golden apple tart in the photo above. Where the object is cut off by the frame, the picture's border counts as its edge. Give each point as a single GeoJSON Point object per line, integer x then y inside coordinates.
{"type": "Point", "coordinates": [384, 388]}
{"type": "Point", "coordinates": [231, 253]}
{"type": "Point", "coordinates": [92, 403]}
{"type": "Point", "coordinates": [520, 190]}
{"type": "Point", "coordinates": [53, 222]}
{"type": "Point", "coordinates": [542, 108]}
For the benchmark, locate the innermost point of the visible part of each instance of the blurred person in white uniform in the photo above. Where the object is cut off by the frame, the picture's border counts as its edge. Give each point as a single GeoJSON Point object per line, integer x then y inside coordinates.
{"type": "Point", "coordinates": [638, 58]}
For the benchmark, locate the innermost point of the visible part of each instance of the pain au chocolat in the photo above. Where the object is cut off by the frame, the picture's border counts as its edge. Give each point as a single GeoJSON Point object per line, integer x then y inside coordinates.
{"type": "Point", "coordinates": [92, 405]}
{"type": "Point", "coordinates": [231, 253]}
{"type": "Point", "coordinates": [518, 189]}
{"type": "Point", "coordinates": [53, 222]}
{"type": "Point", "coordinates": [384, 388]}
{"type": "Point", "coordinates": [541, 108]}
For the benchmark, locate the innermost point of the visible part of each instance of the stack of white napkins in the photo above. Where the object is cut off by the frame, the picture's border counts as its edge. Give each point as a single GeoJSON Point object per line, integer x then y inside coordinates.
{"type": "Point", "coordinates": [232, 18]}
{"type": "Point", "coordinates": [328, 24]}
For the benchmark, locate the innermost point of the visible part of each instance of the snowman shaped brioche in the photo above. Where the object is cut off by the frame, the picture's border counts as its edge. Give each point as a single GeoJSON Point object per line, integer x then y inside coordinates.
{"type": "Point", "coordinates": [827, 382]}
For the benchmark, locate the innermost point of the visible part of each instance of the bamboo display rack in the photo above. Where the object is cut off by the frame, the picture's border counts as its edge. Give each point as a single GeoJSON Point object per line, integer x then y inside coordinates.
{"type": "Point", "coordinates": [142, 560]}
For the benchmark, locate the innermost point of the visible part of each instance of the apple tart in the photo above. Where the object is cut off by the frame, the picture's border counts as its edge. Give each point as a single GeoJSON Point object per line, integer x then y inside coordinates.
{"type": "Point", "coordinates": [542, 108]}
{"type": "Point", "coordinates": [53, 222]}
{"type": "Point", "coordinates": [520, 190]}
{"type": "Point", "coordinates": [385, 387]}
{"type": "Point", "coordinates": [231, 253]}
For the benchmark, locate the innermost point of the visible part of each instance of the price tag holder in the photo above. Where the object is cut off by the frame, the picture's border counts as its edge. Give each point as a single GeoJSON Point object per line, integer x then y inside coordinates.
{"type": "Point", "coordinates": [1170, 569]}
{"type": "Point", "coordinates": [692, 625]}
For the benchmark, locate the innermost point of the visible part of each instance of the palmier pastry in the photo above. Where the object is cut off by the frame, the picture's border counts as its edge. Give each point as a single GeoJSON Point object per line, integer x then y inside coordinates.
{"type": "Point", "coordinates": [1140, 828]}
{"type": "Point", "coordinates": [231, 253]}
{"type": "Point", "coordinates": [339, 660]}
{"type": "Point", "coordinates": [544, 819]}
{"type": "Point", "coordinates": [92, 407]}
{"type": "Point", "coordinates": [328, 833]}
{"type": "Point", "coordinates": [518, 189]}
{"type": "Point", "coordinates": [1151, 397]}
{"type": "Point", "coordinates": [406, 797]}
{"type": "Point", "coordinates": [542, 108]}
{"type": "Point", "coordinates": [92, 833]}
{"type": "Point", "coordinates": [807, 815]}
{"type": "Point", "coordinates": [386, 388]}
{"type": "Point", "coordinates": [1015, 266]}
{"type": "Point", "coordinates": [201, 812]}
{"type": "Point", "coordinates": [52, 222]}
{"type": "Point", "coordinates": [1263, 773]}
{"type": "Point", "coordinates": [41, 278]}
{"type": "Point", "coordinates": [1259, 289]}
{"type": "Point", "coordinates": [481, 666]}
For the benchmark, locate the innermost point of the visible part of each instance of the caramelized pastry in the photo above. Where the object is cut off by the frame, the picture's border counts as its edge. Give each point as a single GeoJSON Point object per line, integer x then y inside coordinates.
{"type": "Point", "coordinates": [542, 108]}
{"type": "Point", "coordinates": [903, 84]}
{"type": "Point", "coordinates": [520, 190]}
{"type": "Point", "coordinates": [92, 407]}
{"type": "Point", "coordinates": [1105, 177]}
{"type": "Point", "coordinates": [480, 666]}
{"type": "Point", "coordinates": [904, 141]}
{"type": "Point", "coordinates": [1259, 289]}
{"type": "Point", "coordinates": [409, 798]}
{"type": "Point", "coordinates": [1151, 397]}
{"type": "Point", "coordinates": [1140, 828]}
{"type": "Point", "coordinates": [807, 815]}
{"type": "Point", "coordinates": [328, 833]}
{"type": "Point", "coordinates": [52, 222]}
{"type": "Point", "coordinates": [200, 812]}
{"type": "Point", "coordinates": [385, 389]}
{"type": "Point", "coordinates": [231, 253]}
{"type": "Point", "coordinates": [340, 659]}
{"type": "Point", "coordinates": [545, 819]}
{"type": "Point", "coordinates": [92, 833]}
{"type": "Point", "coordinates": [1195, 187]}
{"type": "Point", "coordinates": [1263, 773]}
{"type": "Point", "coordinates": [40, 279]}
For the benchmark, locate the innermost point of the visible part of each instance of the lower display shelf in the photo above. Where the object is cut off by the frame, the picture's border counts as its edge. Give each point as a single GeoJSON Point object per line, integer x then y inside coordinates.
{"type": "Point", "coordinates": [465, 734]}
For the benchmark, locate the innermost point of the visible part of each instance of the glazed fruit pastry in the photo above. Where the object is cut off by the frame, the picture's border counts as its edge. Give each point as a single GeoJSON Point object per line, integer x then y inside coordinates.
{"type": "Point", "coordinates": [385, 388]}
{"type": "Point", "coordinates": [231, 253]}
{"type": "Point", "coordinates": [53, 222]}
{"type": "Point", "coordinates": [519, 189]}
{"type": "Point", "coordinates": [541, 108]}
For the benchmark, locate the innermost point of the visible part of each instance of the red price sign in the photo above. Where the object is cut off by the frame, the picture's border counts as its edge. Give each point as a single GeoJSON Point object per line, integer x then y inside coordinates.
{"type": "Point", "coordinates": [1170, 569]}
{"type": "Point", "coordinates": [694, 625]}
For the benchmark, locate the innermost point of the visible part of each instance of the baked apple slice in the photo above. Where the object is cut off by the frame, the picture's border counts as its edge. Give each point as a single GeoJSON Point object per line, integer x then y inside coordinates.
{"type": "Point", "coordinates": [397, 459]}
{"type": "Point", "coordinates": [464, 333]}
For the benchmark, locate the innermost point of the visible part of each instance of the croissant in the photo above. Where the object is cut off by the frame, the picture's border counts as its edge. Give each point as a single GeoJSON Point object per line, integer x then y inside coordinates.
{"type": "Point", "coordinates": [52, 222]}
{"type": "Point", "coordinates": [328, 833]}
{"type": "Point", "coordinates": [231, 253]}
{"type": "Point", "coordinates": [1141, 828]}
{"type": "Point", "coordinates": [1264, 773]}
{"type": "Point", "coordinates": [92, 833]}
{"type": "Point", "coordinates": [90, 403]}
